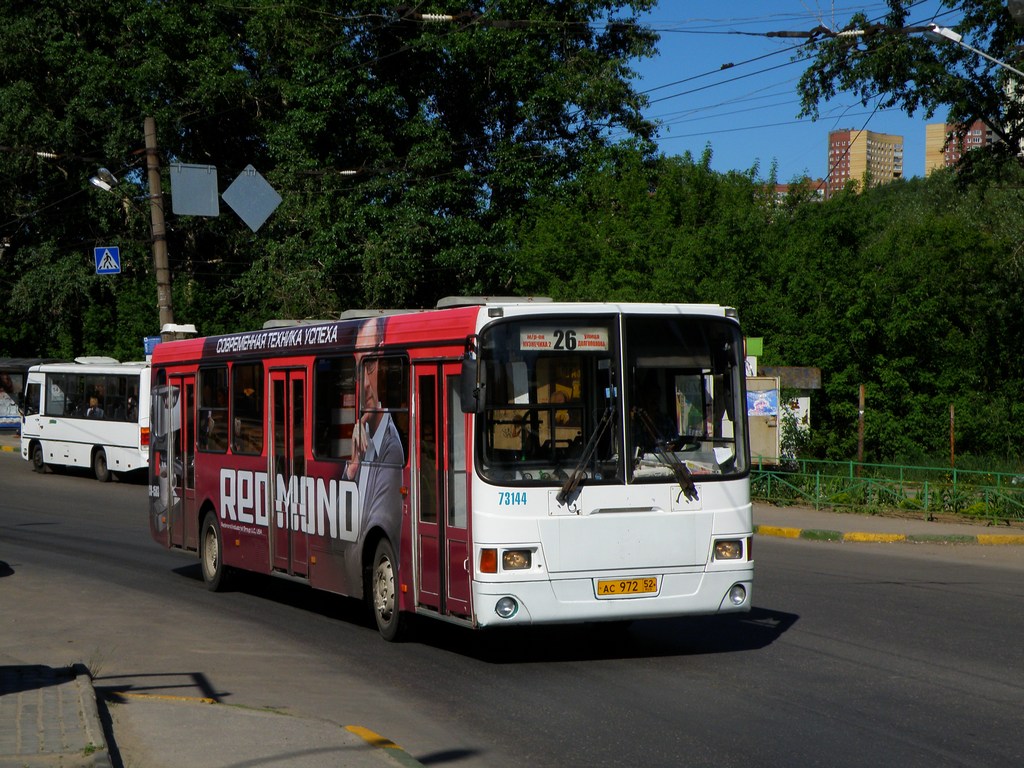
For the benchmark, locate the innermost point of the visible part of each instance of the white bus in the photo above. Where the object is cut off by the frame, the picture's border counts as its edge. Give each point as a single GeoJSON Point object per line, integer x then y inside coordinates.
{"type": "Point", "coordinates": [86, 414]}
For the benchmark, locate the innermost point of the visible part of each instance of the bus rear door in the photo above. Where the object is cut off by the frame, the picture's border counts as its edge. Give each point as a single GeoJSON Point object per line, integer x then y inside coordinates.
{"type": "Point", "coordinates": [288, 469]}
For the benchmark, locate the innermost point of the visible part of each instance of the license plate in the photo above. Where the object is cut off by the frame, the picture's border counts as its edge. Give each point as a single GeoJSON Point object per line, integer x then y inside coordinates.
{"type": "Point", "coordinates": [646, 585]}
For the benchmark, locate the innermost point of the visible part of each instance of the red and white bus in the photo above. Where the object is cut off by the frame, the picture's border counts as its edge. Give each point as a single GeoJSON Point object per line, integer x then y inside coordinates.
{"type": "Point", "coordinates": [491, 462]}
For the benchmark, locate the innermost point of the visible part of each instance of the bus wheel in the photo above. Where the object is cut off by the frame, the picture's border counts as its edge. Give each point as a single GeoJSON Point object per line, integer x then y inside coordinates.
{"type": "Point", "coordinates": [210, 551]}
{"type": "Point", "coordinates": [383, 594]}
{"type": "Point", "coordinates": [38, 462]}
{"type": "Point", "coordinates": [99, 466]}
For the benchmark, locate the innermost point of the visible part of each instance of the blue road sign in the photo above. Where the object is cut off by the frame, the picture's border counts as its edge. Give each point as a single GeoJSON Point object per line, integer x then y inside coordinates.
{"type": "Point", "coordinates": [108, 260]}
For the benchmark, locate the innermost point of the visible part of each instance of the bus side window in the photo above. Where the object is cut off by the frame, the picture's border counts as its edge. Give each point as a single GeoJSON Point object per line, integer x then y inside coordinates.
{"type": "Point", "coordinates": [334, 408]}
{"type": "Point", "coordinates": [56, 386]}
{"type": "Point", "coordinates": [247, 408]}
{"type": "Point", "coordinates": [32, 399]}
{"type": "Point", "coordinates": [213, 409]}
{"type": "Point", "coordinates": [116, 405]}
{"type": "Point", "coordinates": [132, 407]}
{"type": "Point", "coordinates": [75, 402]}
{"type": "Point", "coordinates": [393, 394]}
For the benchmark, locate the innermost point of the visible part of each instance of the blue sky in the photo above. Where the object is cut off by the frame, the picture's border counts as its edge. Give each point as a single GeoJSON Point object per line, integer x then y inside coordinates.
{"type": "Point", "coordinates": [748, 112]}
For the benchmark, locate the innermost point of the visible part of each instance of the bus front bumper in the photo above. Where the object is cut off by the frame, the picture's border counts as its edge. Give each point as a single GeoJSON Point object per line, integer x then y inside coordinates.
{"type": "Point", "coordinates": [569, 600]}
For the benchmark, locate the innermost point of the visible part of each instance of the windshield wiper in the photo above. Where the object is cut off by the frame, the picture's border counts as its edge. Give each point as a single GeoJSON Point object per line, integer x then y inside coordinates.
{"type": "Point", "coordinates": [664, 450]}
{"type": "Point", "coordinates": [579, 471]}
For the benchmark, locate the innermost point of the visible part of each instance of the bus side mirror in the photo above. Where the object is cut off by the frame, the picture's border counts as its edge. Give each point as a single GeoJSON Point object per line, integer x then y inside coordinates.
{"type": "Point", "coordinates": [471, 391]}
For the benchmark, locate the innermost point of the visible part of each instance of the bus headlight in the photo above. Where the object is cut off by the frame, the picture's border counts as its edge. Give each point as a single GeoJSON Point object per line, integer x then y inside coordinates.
{"type": "Point", "coordinates": [738, 594]}
{"type": "Point", "coordinates": [506, 607]}
{"type": "Point", "coordinates": [516, 560]}
{"type": "Point", "coordinates": [729, 549]}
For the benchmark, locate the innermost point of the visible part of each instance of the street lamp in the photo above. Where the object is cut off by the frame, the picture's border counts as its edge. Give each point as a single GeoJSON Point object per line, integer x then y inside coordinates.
{"type": "Point", "coordinates": [935, 32]}
{"type": "Point", "coordinates": [104, 179]}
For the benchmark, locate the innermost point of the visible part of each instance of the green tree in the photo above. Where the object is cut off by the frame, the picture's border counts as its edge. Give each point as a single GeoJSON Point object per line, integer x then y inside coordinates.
{"type": "Point", "coordinates": [635, 228]}
{"type": "Point", "coordinates": [405, 151]}
{"type": "Point", "coordinates": [889, 63]}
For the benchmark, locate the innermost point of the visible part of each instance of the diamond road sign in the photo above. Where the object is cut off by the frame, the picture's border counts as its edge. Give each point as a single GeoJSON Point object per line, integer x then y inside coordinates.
{"type": "Point", "coordinates": [108, 260]}
{"type": "Point", "coordinates": [252, 198]}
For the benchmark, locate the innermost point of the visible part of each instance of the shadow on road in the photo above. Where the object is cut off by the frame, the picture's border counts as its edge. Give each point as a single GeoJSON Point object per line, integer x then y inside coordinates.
{"type": "Point", "coordinates": [22, 678]}
{"type": "Point", "coordinates": [685, 636]}
{"type": "Point", "coordinates": [682, 636]}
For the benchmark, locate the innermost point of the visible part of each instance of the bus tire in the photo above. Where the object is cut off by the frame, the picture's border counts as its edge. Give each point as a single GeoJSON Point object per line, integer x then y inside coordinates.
{"type": "Point", "coordinates": [99, 466]}
{"type": "Point", "coordinates": [211, 554]}
{"type": "Point", "coordinates": [384, 593]}
{"type": "Point", "coordinates": [38, 461]}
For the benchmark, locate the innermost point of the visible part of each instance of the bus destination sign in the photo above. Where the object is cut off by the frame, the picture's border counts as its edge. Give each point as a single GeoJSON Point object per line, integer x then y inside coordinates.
{"type": "Point", "coordinates": [563, 340]}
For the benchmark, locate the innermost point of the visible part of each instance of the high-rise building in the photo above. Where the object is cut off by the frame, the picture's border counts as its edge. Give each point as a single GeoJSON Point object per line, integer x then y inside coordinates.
{"type": "Point", "coordinates": [863, 155]}
{"type": "Point", "coordinates": [940, 154]}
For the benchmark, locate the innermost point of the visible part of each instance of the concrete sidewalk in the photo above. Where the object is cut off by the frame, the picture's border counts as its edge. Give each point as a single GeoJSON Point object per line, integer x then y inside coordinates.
{"type": "Point", "coordinates": [48, 717]}
{"type": "Point", "coordinates": [51, 717]}
{"type": "Point", "coordinates": [174, 732]}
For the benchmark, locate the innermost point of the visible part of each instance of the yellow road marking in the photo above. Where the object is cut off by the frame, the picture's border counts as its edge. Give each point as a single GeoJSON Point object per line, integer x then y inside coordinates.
{"type": "Point", "coordinates": [373, 739]}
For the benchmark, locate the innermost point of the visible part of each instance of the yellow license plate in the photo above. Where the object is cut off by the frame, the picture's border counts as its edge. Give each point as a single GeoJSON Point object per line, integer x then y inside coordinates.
{"type": "Point", "coordinates": [626, 587]}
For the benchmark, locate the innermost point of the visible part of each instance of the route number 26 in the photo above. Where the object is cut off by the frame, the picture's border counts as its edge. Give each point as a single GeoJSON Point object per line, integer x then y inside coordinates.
{"type": "Point", "coordinates": [565, 339]}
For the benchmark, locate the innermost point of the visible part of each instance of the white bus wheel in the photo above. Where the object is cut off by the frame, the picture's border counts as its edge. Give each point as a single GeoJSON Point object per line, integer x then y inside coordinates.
{"type": "Point", "coordinates": [99, 466]}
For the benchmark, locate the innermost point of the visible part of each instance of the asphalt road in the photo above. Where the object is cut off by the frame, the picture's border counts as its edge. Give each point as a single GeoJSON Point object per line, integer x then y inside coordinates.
{"type": "Point", "coordinates": [854, 655]}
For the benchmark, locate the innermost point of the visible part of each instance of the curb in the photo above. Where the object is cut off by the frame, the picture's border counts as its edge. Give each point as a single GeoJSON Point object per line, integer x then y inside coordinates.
{"type": "Point", "coordinates": [91, 716]}
{"type": "Point", "coordinates": [814, 534]}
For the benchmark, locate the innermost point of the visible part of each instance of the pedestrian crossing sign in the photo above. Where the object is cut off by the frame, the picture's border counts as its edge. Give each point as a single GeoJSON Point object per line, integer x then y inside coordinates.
{"type": "Point", "coordinates": [108, 260]}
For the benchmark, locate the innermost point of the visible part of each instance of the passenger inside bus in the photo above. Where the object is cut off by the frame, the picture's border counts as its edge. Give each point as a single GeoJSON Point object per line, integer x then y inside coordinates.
{"type": "Point", "coordinates": [213, 429]}
{"type": "Point", "coordinates": [94, 411]}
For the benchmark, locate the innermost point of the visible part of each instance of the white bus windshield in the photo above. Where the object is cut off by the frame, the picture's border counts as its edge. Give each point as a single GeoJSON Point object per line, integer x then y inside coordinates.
{"type": "Point", "coordinates": [684, 394]}
{"type": "Point", "coordinates": [561, 391]}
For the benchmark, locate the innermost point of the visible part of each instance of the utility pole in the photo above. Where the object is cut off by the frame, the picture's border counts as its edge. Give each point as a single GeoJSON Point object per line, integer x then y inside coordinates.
{"type": "Point", "coordinates": [159, 232]}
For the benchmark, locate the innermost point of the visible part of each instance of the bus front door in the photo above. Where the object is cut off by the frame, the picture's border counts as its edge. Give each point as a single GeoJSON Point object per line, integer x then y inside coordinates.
{"type": "Point", "coordinates": [442, 492]}
{"type": "Point", "coordinates": [289, 510]}
{"type": "Point", "coordinates": [182, 524]}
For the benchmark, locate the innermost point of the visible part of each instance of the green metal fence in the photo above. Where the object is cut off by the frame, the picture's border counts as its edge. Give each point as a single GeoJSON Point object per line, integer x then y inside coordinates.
{"type": "Point", "coordinates": [997, 496]}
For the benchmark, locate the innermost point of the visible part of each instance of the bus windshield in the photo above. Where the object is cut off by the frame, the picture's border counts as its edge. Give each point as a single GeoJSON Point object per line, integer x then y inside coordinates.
{"type": "Point", "coordinates": [684, 392]}
{"type": "Point", "coordinates": [569, 395]}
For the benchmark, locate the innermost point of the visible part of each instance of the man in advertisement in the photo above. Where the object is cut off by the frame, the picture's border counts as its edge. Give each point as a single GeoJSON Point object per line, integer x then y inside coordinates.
{"type": "Point", "coordinates": [377, 453]}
